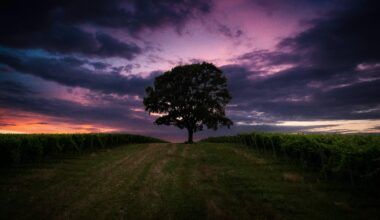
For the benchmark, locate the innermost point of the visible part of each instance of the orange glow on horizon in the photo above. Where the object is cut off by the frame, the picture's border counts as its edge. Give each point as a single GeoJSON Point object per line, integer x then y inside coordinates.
{"type": "Point", "coordinates": [25, 122]}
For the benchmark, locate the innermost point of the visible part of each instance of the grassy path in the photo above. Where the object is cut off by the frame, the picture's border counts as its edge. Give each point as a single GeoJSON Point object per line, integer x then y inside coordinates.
{"type": "Point", "coordinates": [173, 181]}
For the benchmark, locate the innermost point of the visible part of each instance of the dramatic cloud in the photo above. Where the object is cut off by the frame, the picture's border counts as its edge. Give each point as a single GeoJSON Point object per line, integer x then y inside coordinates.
{"type": "Point", "coordinates": [71, 72]}
{"type": "Point", "coordinates": [228, 32]}
{"type": "Point", "coordinates": [343, 40]}
{"type": "Point", "coordinates": [69, 39]}
{"type": "Point", "coordinates": [105, 110]}
{"type": "Point", "coordinates": [292, 66]}
{"type": "Point", "coordinates": [328, 71]}
{"type": "Point", "coordinates": [57, 26]}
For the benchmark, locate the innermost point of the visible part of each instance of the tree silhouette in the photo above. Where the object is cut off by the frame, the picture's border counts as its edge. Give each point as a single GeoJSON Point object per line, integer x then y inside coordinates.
{"type": "Point", "coordinates": [191, 97]}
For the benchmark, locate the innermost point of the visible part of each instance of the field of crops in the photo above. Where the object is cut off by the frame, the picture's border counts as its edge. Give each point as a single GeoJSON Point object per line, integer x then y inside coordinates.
{"type": "Point", "coordinates": [178, 181]}
{"type": "Point", "coordinates": [354, 158]}
{"type": "Point", "coordinates": [19, 148]}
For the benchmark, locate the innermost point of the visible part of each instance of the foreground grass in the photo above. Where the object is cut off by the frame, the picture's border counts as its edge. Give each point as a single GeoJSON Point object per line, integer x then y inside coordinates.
{"type": "Point", "coordinates": [175, 181]}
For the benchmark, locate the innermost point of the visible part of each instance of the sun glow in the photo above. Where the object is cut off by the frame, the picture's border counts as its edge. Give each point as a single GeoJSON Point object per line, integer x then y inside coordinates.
{"type": "Point", "coordinates": [25, 122]}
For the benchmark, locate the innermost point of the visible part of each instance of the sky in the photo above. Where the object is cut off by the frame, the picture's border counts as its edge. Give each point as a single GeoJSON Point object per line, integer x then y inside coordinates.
{"type": "Point", "coordinates": [292, 65]}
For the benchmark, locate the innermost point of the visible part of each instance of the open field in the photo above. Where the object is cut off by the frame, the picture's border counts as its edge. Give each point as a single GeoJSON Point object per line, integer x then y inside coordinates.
{"type": "Point", "coordinates": [176, 181]}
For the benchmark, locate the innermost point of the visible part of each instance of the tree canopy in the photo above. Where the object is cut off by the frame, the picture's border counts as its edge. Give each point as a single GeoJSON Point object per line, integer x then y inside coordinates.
{"type": "Point", "coordinates": [190, 96]}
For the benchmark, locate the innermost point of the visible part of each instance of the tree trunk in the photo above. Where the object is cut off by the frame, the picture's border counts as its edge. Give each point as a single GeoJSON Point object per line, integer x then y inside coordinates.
{"type": "Point", "coordinates": [190, 136]}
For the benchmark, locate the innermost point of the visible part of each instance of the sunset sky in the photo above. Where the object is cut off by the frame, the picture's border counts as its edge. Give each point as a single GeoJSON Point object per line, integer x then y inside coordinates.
{"type": "Point", "coordinates": [291, 65]}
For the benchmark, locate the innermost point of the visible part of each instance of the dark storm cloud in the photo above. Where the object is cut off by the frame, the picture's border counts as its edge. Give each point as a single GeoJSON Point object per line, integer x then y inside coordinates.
{"type": "Point", "coordinates": [287, 96]}
{"type": "Point", "coordinates": [112, 114]}
{"type": "Point", "coordinates": [70, 39]}
{"type": "Point", "coordinates": [334, 71]}
{"type": "Point", "coordinates": [363, 93]}
{"type": "Point", "coordinates": [55, 25]}
{"type": "Point", "coordinates": [14, 87]}
{"type": "Point", "coordinates": [99, 65]}
{"type": "Point", "coordinates": [252, 85]}
{"type": "Point", "coordinates": [111, 110]}
{"type": "Point", "coordinates": [269, 57]}
{"type": "Point", "coordinates": [292, 6]}
{"type": "Point", "coordinates": [77, 62]}
{"type": "Point", "coordinates": [342, 40]}
{"type": "Point", "coordinates": [61, 108]}
{"type": "Point", "coordinates": [133, 15]}
{"type": "Point", "coordinates": [110, 47]}
{"type": "Point", "coordinates": [70, 72]}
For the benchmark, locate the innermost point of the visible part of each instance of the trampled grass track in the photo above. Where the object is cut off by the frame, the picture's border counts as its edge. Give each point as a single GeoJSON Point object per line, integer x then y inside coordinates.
{"type": "Point", "coordinates": [174, 181]}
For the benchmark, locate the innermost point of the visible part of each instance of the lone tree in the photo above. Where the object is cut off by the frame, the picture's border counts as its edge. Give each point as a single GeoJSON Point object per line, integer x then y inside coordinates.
{"type": "Point", "coordinates": [191, 97]}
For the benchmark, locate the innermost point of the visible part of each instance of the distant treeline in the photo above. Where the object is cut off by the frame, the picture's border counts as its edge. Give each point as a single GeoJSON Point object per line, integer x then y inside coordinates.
{"type": "Point", "coordinates": [19, 148]}
{"type": "Point", "coordinates": [354, 158]}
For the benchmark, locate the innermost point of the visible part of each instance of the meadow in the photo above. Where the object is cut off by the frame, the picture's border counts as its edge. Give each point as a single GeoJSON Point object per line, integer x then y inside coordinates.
{"type": "Point", "coordinates": [218, 178]}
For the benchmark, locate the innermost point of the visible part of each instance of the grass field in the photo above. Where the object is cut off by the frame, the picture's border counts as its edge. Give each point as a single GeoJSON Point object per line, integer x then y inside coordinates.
{"type": "Point", "coordinates": [176, 181]}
